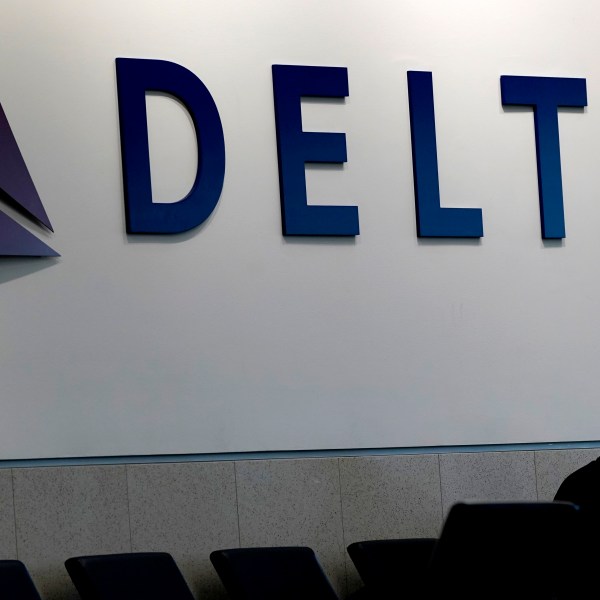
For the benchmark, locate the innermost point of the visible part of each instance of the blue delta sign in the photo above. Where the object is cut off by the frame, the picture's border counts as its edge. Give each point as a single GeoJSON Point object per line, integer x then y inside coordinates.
{"type": "Point", "coordinates": [295, 148]}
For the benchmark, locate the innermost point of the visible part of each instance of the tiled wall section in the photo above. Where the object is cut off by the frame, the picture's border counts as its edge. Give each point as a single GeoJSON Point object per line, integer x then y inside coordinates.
{"type": "Point", "coordinates": [188, 509]}
{"type": "Point", "coordinates": [389, 497]}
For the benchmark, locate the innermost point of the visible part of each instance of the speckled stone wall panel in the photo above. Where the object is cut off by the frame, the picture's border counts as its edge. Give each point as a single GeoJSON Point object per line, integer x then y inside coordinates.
{"type": "Point", "coordinates": [487, 476]}
{"type": "Point", "coordinates": [187, 509]}
{"type": "Point", "coordinates": [8, 540]}
{"type": "Point", "coordinates": [68, 511]}
{"type": "Point", "coordinates": [552, 466]}
{"type": "Point", "coordinates": [386, 497]}
{"type": "Point", "coordinates": [294, 503]}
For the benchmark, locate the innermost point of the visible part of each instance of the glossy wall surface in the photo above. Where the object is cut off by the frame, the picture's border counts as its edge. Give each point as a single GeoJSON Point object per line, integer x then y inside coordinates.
{"type": "Point", "coordinates": [233, 337]}
{"type": "Point", "coordinates": [48, 514]}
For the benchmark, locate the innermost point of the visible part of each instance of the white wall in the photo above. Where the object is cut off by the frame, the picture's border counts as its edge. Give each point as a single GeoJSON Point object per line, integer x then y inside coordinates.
{"type": "Point", "coordinates": [232, 338]}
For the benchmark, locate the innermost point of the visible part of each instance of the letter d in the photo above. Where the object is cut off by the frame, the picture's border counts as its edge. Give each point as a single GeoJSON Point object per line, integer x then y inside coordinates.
{"type": "Point", "coordinates": [135, 77]}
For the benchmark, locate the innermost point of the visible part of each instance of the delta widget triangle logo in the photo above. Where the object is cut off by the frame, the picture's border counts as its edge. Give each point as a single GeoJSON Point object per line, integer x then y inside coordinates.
{"type": "Point", "coordinates": [18, 190]}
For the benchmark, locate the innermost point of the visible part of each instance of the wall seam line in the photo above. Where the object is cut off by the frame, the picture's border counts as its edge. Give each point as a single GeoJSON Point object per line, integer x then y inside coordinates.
{"type": "Point", "coordinates": [237, 504]}
{"type": "Point", "coordinates": [132, 459]}
{"type": "Point", "coordinates": [12, 481]}
{"type": "Point", "coordinates": [344, 541]}
{"type": "Point", "coordinates": [441, 521]}
{"type": "Point", "coordinates": [128, 507]}
{"type": "Point", "coordinates": [537, 490]}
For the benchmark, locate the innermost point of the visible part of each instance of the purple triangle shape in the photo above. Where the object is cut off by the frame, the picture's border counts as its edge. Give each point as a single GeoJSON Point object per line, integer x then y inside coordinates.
{"type": "Point", "coordinates": [14, 176]}
{"type": "Point", "coordinates": [15, 240]}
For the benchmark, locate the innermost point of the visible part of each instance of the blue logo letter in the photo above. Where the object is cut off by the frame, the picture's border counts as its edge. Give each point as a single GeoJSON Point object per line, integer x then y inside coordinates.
{"type": "Point", "coordinates": [296, 147]}
{"type": "Point", "coordinates": [432, 219]}
{"type": "Point", "coordinates": [546, 94]}
{"type": "Point", "coordinates": [134, 78]}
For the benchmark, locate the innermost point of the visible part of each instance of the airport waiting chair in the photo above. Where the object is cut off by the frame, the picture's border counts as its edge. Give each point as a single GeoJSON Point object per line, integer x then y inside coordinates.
{"type": "Point", "coordinates": [15, 581]}
{"type": "Point", "coordinates": [132, 576]}
{"type": "Point", "coordinates": [275, 573]}
{"type": "Point", "coordinates": [394, 568]}
{"type": "Point", "coordinates": [521, 551]}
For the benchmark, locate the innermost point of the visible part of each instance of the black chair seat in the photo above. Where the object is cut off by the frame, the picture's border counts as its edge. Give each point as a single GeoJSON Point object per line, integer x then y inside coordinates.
{"type": "Point", "coordinates": [275, 573]}
{"type": "Point", "coordinates": [393, 568]}
{"type": "Point", "coordinates": [15, 581]}
{"type": "Point", "coordinates": [132, 576]}
{"type": "Point", "coordinates": [521, 551]}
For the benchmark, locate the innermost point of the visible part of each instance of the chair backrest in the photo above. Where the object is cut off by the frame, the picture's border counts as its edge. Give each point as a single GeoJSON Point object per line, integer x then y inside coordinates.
{"type": "Point", "coordinates": [277, 573]}
{"type": "Point", "coordinates": [506, 550]}
{"type": "Point", "coordinates": [133, 576]}
{"type": "Point", "coordinates": [393, 568]}
{"type": "Point", "coordinates": [15, 581]}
